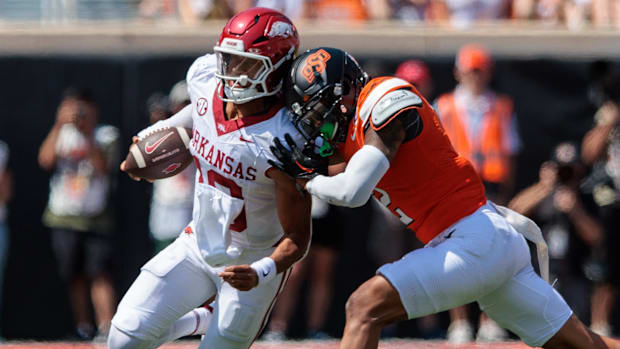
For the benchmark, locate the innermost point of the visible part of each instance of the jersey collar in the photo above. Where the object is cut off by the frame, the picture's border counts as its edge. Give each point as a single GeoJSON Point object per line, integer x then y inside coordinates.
{"type": "Point", "coordinates": [224, 126]}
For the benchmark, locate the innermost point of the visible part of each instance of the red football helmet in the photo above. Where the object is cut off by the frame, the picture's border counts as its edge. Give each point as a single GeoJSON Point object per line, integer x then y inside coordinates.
{"type": "Point", "coordinates": [253, 53]}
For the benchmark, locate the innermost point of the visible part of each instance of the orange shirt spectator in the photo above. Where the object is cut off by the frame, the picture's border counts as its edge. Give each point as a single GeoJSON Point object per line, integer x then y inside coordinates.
{"type": "Point", "coordinates": [337, 9]}
{"type": "Point", "coordinates": [481, 122]}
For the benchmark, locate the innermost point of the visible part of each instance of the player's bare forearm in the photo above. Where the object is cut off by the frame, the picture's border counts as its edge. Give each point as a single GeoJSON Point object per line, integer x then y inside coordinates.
{"type": "Point", "coordinates": [290, 250]}
{"type": "Point", "coordinates": [388, 139]}
{"type": "Point", "coordinates": [294, 213]}
{"type": "Point", "coordinates": [336, 164]}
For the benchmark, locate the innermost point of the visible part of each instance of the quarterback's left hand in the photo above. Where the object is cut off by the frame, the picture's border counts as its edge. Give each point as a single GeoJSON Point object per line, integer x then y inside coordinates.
{"type": "Point", "coordinates": [241, 277]}
{"type": "Point", "coordinates": [294, 162]}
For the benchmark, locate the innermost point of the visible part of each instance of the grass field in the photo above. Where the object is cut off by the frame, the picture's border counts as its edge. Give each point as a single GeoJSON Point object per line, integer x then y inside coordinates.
{"type": "Point", "coordinates": [391, 344]}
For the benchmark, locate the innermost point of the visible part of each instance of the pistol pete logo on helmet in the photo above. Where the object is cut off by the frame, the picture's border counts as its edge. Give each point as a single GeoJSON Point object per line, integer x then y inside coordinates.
{"type": "Point", "coordinates": [315, 62]}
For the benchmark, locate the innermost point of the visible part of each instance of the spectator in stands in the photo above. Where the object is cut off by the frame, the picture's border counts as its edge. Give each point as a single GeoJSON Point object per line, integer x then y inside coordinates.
{"type": "Point", "coordinates": [82, 156]}
{"type": "Point", "coordinates": [6, 191]}
{"type": "Point", "coordinates": [481, 123]}
{"type": "Point", "coordinates": [416, 73]}
{"type": "Point", "coordinates": [336, 10]}
{"type": "Point", "coordinates": [157, 9]}
{"type": "Point", "coordinates": [567, 216]}
{"type": "Point", "coordinates": [576, 13]}
{"type": "Point", "coordinates": [173, 198]}
{"type": "Point", "coordinates": [601, 150]}
{"type": "Point", "coordinates": [461, 13]}
{"type": "Point", "coordinates": [482, 128]}
{"type": "Point", "coordinates": [464, 13]}
{"type": "Point", "coordinates": [606, 13]}
{"type": "Point", "coordinates": [404, 10]}
{"type": "Point", "coordinates": [573, 13]}
{"type": "Point", "coordinates": [193, 12]}
{"type": "Point", "coordinates": [293, 9]}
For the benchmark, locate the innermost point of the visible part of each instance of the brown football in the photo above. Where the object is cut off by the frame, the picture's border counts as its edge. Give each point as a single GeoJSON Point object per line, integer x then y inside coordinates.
{"type": "Point", "coordinates": [161, 154]}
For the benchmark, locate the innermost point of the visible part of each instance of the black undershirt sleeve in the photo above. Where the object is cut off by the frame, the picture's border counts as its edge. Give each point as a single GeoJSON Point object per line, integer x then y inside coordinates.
{"type": "Point", "coordinates": [412, 122]}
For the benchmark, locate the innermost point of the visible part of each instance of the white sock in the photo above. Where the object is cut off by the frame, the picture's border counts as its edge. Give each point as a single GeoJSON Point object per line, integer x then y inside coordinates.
{"type": "Point", "coordinates": [195, 322]}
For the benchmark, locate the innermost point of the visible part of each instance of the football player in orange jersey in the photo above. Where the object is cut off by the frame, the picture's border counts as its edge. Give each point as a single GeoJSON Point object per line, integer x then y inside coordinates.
{"type": "Point", "coordinates": [393, 146]}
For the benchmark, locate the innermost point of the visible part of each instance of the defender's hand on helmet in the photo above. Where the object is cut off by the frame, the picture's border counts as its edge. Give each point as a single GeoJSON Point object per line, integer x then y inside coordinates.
{"type": "Point", "coordinates": [294, 162]}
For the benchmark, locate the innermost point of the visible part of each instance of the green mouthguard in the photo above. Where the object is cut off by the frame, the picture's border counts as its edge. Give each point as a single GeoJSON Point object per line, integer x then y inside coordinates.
{"type": "Point", "coordinates": [327, 132]}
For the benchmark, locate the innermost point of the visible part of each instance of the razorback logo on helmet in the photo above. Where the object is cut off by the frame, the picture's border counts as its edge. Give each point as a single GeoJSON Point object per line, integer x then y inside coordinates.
{"type": "Point", "coordinates": [315, 62]}
{"type": "Point", "coordinates": [282, 29]}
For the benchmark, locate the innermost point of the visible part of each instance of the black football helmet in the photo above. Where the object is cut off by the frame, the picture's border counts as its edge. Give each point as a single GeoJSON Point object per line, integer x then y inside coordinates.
{"type": "Point", "coordinates": [321, 90]}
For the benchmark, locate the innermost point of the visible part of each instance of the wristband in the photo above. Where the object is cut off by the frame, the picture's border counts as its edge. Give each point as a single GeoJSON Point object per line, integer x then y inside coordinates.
{"type": "Point", "coordinates": [265, 269]}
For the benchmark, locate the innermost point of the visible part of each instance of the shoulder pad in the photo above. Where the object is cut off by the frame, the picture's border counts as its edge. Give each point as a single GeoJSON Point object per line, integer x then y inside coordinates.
{"type": "Point", "coordinates": [378, 87]}
{"type": "Point", "coordinates": [203, 67]}
{"type": "Point", "coordinates": [391, 103]}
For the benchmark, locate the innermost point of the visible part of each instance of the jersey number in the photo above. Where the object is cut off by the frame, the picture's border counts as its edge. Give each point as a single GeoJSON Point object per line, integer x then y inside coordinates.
{"type": "Point", "coordinates": [385, 200]}
{"type": "Point", "coordinates": [240, 223]}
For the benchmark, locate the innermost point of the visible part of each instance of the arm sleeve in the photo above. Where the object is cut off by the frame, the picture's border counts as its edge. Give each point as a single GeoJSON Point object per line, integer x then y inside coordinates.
{"type": "Point", "coordinates": [183, 118]}
{"type": "Point", "coordinates": [353, 187]}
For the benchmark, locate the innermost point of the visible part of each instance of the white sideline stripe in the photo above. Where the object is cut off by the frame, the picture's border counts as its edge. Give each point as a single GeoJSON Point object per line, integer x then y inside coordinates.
{"type": "Point", "coordinates": [376, 94]}
{"type": "Point", "coordinates": [137, 155]}
{"type": "Point", "coordinates": [184, 136]}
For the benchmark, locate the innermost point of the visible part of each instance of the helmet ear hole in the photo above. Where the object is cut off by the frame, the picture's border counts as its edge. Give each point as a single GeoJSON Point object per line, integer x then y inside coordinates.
{"type": "Point", "coordinates": [348, 99]}
{"type": "Point", "coordinates": [346, 88]}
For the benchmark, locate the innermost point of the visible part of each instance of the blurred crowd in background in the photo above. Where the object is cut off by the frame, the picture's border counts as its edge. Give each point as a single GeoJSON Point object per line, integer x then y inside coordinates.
{"type": "Point", "coordinates": [576, 202]}
{"type": "Point", "coordinates": [573, 14]}
{"type": "Point", "coordinates": [576, 199]}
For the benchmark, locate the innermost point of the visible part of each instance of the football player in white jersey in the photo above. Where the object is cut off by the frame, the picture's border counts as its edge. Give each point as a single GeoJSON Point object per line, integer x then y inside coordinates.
{"type": "Point", "coordinates": [250, 224]}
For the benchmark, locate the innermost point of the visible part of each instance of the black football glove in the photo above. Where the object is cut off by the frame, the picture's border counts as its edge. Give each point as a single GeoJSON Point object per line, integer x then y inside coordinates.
{"type": "Point", "coordinates": [295, 162]}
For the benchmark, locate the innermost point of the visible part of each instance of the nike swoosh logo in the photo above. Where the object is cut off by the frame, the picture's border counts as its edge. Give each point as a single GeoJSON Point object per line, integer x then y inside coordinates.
{"type": "Point", "coordinates": [148, 148]}
{"type": "Point", "coordinates": [265, 273]}
{"type": "Point", "coordinates": [450, 233]}
{"type": "Point", "coordinates": [245, 140]}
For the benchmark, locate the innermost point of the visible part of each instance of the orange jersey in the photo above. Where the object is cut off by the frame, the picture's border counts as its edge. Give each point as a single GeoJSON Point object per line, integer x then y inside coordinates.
{"type": "Point", "coordinates": [429, 186]}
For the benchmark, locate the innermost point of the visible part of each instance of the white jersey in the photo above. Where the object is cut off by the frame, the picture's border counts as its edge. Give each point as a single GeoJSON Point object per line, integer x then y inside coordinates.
{"type": "Point", "coordinates": [234, 200]}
